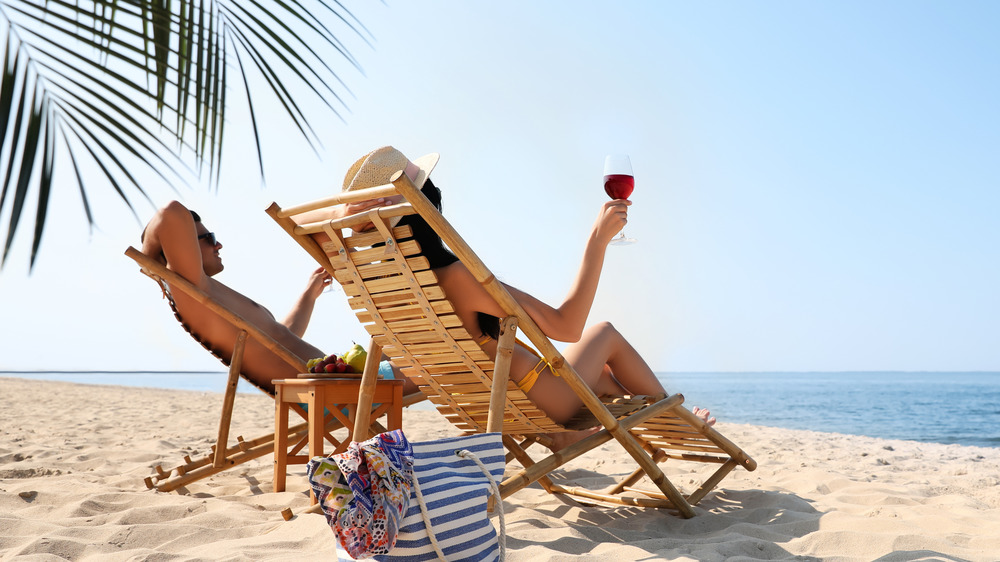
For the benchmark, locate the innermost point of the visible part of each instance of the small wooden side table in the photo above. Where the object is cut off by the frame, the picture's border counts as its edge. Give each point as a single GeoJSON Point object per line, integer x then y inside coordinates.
{"type": "Point", "coordinates": [326, 398]}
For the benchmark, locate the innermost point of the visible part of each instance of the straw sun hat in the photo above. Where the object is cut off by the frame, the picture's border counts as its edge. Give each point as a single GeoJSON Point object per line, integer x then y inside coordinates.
{"type": "Point", "coordinates": [377, 167]}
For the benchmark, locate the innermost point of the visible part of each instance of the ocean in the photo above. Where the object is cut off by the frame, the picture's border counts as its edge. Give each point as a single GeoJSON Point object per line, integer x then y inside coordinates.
{"type": "Point", "coordinates": [934, 407]}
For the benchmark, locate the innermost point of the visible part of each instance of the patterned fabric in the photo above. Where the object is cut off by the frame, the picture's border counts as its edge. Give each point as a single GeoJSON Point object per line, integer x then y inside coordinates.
{"type": "Point", "coordinates": [455, 492]}
{"type": "Point", "coordinates": [365, 491]}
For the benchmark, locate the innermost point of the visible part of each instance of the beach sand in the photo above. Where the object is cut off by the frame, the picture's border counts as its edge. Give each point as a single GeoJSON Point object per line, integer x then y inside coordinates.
{"type": "Point", "coordinates": [73, 458]}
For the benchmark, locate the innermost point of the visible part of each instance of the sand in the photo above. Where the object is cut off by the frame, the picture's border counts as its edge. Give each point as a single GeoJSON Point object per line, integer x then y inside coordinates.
{"type": "Point", "coordinates": [73, 458]}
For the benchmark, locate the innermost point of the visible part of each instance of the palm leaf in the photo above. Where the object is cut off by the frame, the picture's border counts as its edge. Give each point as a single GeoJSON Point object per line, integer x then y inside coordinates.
{"type": "Point", "coordinates": [44, 183]}
{"type": "Point", "coordinates": [35, 118]}
{"type": "Point", "coordinates": [142, 85]}
{"type": "Point", "coordinates": [16, 151]}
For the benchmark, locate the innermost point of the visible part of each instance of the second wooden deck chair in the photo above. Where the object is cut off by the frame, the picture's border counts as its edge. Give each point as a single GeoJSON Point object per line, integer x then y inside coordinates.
{"type": "Point", "coordinates": [397, 299]}
{"type": "Point", "coordinates": [223, 456]}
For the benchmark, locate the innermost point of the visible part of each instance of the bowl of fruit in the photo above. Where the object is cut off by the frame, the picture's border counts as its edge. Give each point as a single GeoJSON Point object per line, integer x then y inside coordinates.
{"type": "Point", "coordinates": [351, 361]}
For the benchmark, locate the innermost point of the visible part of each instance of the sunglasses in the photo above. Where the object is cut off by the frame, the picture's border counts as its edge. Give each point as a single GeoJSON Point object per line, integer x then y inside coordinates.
{"type": "Point", "coordinates": [210, 236]}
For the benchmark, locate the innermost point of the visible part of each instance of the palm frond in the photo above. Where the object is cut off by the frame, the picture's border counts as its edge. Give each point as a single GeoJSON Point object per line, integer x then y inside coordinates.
{"type": "Point", "coordinates": [141, 86]}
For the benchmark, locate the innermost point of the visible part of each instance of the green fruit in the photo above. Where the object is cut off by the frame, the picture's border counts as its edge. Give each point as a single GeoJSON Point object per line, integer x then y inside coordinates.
{"type": "Point", "coordinates": [355, 357]}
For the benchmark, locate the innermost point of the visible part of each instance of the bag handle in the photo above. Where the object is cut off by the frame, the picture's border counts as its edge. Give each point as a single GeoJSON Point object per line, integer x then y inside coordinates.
{"type": "Point", "coordinates": [466, 454]}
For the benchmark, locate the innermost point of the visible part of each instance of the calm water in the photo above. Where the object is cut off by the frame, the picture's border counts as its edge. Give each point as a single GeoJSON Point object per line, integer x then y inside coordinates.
{"type": "Point", "coordinates": [962, 408]}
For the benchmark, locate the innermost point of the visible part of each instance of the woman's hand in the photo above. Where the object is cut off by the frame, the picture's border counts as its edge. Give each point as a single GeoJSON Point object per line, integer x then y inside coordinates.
{"type": "Point", "coordinates": [349, 209]}
{"type": "Point", "coordinates": [360, 206]}
{"type": "Point", "coordinates": [611, 220]}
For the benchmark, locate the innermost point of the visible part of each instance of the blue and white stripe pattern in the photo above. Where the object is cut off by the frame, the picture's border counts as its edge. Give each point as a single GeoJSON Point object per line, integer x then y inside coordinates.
{"type": "Point", "coordinates": [455, 492]}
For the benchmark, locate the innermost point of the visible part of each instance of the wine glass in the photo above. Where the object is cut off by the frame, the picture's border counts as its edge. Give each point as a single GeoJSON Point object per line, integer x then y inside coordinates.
{"type": "Point", "coordinates": [333, 287]}
{"type": "Point", "coordinates": [618, 184]}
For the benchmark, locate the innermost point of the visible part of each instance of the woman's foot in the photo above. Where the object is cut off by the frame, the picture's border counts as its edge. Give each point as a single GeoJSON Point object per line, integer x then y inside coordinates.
{"type": "Point", "coordinates": [704, 415]}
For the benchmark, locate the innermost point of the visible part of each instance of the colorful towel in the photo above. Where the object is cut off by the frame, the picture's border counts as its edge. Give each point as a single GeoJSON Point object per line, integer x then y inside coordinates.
{"type": "Point", "coordinates": [365, 491]}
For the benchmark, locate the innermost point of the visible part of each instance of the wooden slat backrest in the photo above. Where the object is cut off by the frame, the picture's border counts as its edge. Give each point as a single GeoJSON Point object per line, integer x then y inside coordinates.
{"type": "Point", "coordinates": [396, 297]}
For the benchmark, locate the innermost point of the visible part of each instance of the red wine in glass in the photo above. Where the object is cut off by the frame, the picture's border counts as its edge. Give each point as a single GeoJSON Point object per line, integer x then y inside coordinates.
{"type": "Point", "coordinates": [618, 184]}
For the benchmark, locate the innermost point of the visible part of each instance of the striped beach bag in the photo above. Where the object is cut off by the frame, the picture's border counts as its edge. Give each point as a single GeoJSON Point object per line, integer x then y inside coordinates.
{"type": "Point", "coordinates": [453, 479]}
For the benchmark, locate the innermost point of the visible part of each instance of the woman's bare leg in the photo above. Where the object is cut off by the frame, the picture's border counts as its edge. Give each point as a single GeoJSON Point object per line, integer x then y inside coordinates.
{"type": "Point", "coordinates": [601, 353]}
{"type": "Point", "coordinates": [609, 364]}
{"type": "Point", "coordinates": [605, 362]}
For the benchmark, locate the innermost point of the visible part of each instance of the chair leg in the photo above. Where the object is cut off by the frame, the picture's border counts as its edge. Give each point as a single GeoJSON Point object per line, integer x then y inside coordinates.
{"type": "Point", "coordinates": [659, 456]}
{"type": "Point", "coordinates": [205, 467]}
{"type": "Point", "coordinates": [668, 495]}
{"type": "Point", "coordinates": [243, 451]}
{"type": "Point", "coordinates": [230, 398]}
{"type": "Point", "coordinates": [368, 380]}
{"type": "Point", "coordinates": [652, 470]}
{"type": "Point", "coordinates": [501, 374]}
{"type": "Point", "coordinates": [526, 461]}
{"type": "Point", "coordinates": [702, 490]}
{"type": "Point", "coordinates": [555, 460]}
{"type": "Point", "coordinates": [537, 471]}
{"type": "Point", "coordinates": [712, 481]}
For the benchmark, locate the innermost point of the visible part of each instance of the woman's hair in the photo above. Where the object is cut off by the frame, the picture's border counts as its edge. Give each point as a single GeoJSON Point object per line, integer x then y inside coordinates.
{"type": "Point", "coordinates": [439, 256]}
{"type": "Point", "coordinates": [432, 192]}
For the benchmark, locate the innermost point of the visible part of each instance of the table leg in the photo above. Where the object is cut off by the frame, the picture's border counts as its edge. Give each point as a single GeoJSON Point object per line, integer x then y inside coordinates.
{"type": "Point", "coordinates": [317, 405]}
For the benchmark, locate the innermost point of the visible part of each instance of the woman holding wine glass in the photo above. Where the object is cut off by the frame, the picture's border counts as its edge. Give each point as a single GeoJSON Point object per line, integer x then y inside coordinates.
{"type": "Point", "coordinates": [600, 354]}
{"type": "Point", "coordinates": [618, 184]}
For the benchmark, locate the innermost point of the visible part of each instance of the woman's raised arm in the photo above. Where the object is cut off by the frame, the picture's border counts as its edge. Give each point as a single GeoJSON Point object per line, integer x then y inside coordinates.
{"type": "Point", "coordinates": [566, 321]}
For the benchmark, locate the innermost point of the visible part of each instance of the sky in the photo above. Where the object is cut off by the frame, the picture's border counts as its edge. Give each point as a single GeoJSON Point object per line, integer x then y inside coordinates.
{"type": "Point", "coordinates": [817, 184]}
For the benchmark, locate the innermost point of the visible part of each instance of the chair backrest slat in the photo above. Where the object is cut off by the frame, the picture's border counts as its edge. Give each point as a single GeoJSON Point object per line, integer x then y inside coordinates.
{"type": "Point", "coordinates": [396, 297]}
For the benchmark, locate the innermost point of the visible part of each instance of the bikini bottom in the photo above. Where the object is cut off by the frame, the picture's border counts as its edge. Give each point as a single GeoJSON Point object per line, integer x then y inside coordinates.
{"type": "Point", "coordinates": [529, 380]}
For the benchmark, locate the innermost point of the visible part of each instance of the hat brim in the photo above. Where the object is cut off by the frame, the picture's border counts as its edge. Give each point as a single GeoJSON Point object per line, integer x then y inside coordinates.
{"type": "Point", "coordinates": [425, 164]}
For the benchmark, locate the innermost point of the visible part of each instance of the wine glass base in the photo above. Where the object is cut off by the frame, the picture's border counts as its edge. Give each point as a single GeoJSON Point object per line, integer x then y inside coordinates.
{"type": "Point", "coordinates": [622, 241]}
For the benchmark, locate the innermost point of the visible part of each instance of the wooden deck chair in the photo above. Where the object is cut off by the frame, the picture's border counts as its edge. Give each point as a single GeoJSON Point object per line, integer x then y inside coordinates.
{"type": "Point", "coordinates": [223, 456]}
{"type": "Point", "coordinates": [397, 299]}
